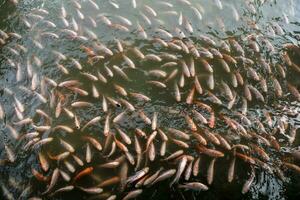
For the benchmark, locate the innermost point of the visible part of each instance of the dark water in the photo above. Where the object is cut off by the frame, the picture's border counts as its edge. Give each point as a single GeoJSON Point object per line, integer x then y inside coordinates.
{"type": "Point", "coordinates": [217, 23]}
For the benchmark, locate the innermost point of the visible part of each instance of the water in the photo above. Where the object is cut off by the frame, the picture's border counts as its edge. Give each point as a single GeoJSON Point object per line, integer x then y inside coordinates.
{"type": "Point", "coordinates": [219, 24]}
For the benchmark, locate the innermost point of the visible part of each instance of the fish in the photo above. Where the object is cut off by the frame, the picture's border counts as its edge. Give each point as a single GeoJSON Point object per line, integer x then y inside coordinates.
{"type": "Point", "coordinates": [231, 170]}
{"type": "Point", "coordinates": [54, 179]}
{"type": "Point", "coordinates": [210, 171]}
{"type": "Point", "coordinates": [210, 152]}
{"type": "Point", "coordinates": [151, 152]}
{"type": "Point", "coordinates": [140, 133]}
{"type": "Point", "coordinates": [206, 65]}
{"type": "Point", "coordinates": [137, 175]}
{"type": "Point", "coordinates": [139, 96]}
{"type": "Point", "coordinates": [152, 57]}
{"type": "Point", "coordinates": [246, 158]}
{"type": "Point", "coordinates": [124, 136]}
{"type": "Point", "coordinates": [121, 72]}
{"type": "Point", "coordinates": [174, 155]}
{"type": "Point", "coordinates": [180, 143]}
{"type": "Point", "coordinates": [92, 121]}
{"type": "Point", "coordinates": [79, 104]}
{"type": "Point", "coordinates": [129, 62]}
{"type": "Point", "coordinates": [78, 160]}
{"type": "Point", "coordinates": [65, 175]}
{"type": "Point", "coordinates": [64, 128]}
{"type": "Point", "coordinates": [42, 142]}
{"type": "Point", "coordinates": [10, 153]}
{"type": "Point", "coordinates": [292, 166]}
{"type": "Point", "coordinates": [188, 171]}
{"type": "Point", "coordinates": [132, 194]}
{"type": "Point", "coordinates": [163, 148]}
{"type": "Point", "coordinates": [157, 73]}
{"type": "Point", "coordinates": [294, 91]}
{"type": "Point", "coordinates": [180, 168]}
{"type": "Point", "coordinates": [197, 13]}
{"type": "Point", "coordinates": [164, 175]}
{"type": "Point", "coordinates": [151, 178]}
{"type": "Point", "coordinates": [196, 165]}
{"type": "Point", "coordinates": [138, 53]}
{"type": "Point", "coordinates": [190, 122]}
{"type": "Point", "coordinates": [63, 189]}
{"type": "Point", "coordinates": [190, 97]}
{"type": "Point", "coordinates": [144, 117]}
{"type": "Point", "coordinates": [60, 156]}
{"type": "Point", "coordinates": [154, 121]}
{"type": "Point", "coordinates": [196, 186]}
{"type": "Point", "coordinates": [109, 165]}
{"type": "Point", "coordinates": [88, 154]}
{"type": "Point", "coordinates": [39, 176]}
{"type": "Point", "coordinates": [69, 166]}
{"type": "Point", "coordinates": [110, 181]}
{"type": "Point", "coordinates": [119, 117]}
{"type": "Point", "coordinates": [248, 183]}
{"type": "Point", "coordinates": [150, 139]}
{"type": "Point", "coordinates": [13, 132]}
{"type": "Point", "coordinates": [94, 142]}
{"type": "Point", "coordinates": [157, 84]}
{"type": "Point", "coordinates": [83, 173]}
{"type": "Point", "coordinates": [91, 190]}
{"type": "Point", "coordinates": [178, 133]}
{"type": "Point", "coordinates": [121, 90]}
{"type": "Point", "coordinates": [43, 162]}
{"type": "Point", "coordinates": [67, 146]}
{"type": "Point", "coordinates": [177, 93]}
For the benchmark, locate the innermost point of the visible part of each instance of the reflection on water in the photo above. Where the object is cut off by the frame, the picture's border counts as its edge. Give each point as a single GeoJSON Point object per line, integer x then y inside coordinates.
{"type": "Point", "coordinates": [82, 81]}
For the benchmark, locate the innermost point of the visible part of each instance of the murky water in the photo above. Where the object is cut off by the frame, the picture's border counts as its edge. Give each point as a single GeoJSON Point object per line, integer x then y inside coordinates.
{"type": "Point", "coordinates": [45, 51]}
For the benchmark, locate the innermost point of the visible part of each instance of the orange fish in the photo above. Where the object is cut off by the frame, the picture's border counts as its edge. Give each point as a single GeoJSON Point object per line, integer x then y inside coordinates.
{"type": "Point", "coordinates": [82, 173]}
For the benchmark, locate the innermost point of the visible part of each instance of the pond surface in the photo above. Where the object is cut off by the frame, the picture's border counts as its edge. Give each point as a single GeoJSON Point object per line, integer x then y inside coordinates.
{"type": "Point", "coordinates": [215, 81]}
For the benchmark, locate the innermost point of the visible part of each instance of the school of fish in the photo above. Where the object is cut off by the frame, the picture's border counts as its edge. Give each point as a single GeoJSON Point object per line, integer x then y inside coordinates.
{"type": "Point", "coordinates": [156, 100]}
